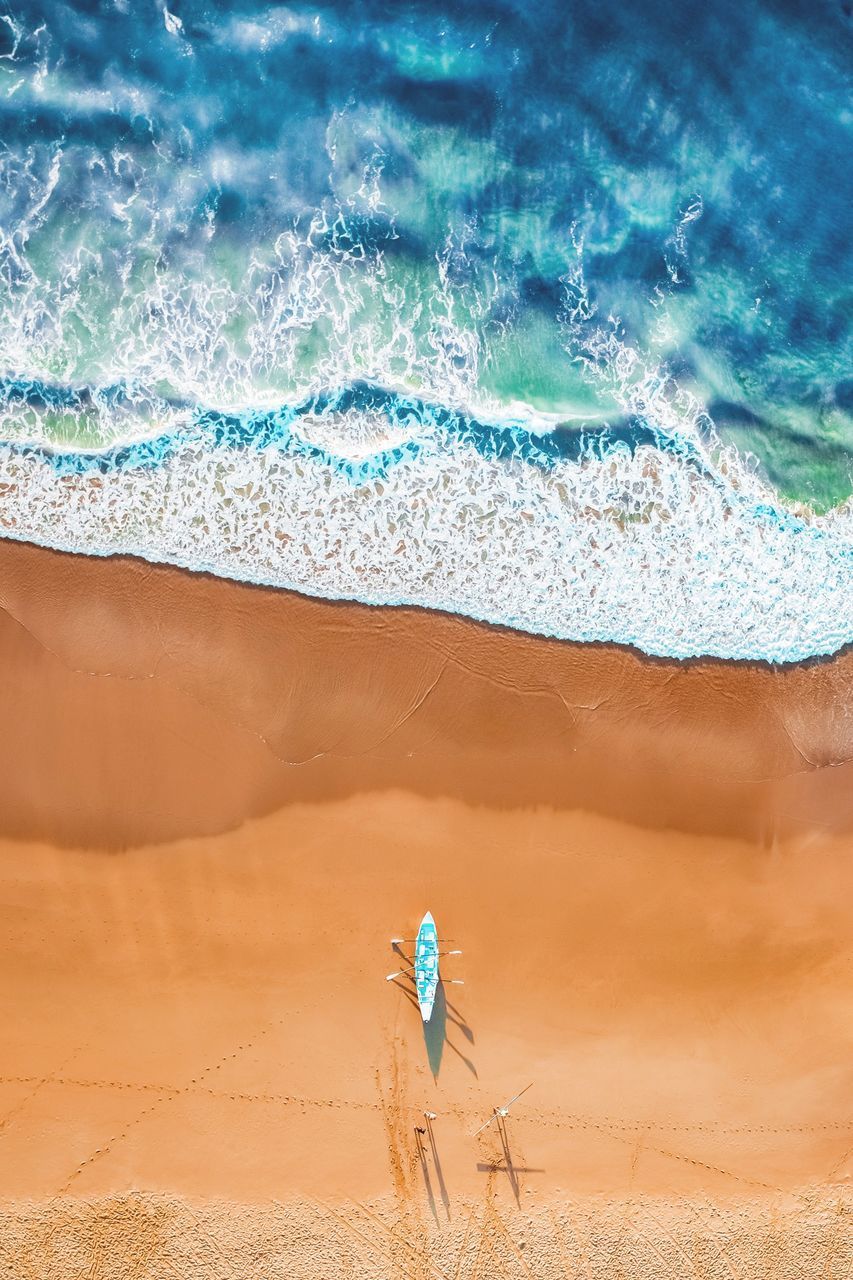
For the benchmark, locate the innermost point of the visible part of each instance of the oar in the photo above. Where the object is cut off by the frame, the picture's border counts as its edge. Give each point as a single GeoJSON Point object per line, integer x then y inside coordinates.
{"type": "Point", "coordinates": [399, 973]}
{"type": "Point", "coordinates": [395, 942]}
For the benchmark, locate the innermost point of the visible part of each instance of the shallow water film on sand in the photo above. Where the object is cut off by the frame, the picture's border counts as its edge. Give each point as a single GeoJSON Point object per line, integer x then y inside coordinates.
{"type": "Point", "coordinates": [536, 313]}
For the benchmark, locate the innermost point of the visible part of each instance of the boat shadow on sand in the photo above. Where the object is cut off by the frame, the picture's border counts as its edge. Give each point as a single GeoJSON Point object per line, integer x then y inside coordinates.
{"type": "Point", "coordinates": [436, 1034]}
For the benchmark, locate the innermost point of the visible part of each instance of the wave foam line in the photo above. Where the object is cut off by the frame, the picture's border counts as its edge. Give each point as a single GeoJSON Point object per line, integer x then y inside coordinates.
{"type": "Point", "coordinates": [635, 541]}
{"type": "Point", "coordinates": [361, 429]}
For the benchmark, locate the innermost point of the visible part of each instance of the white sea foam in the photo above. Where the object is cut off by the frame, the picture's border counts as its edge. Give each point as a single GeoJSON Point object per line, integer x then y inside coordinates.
{"type": "Point", "coordinates": [640, 549]}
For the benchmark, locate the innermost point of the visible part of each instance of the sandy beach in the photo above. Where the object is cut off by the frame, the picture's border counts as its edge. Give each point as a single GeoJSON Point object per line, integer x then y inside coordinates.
{"type": "Point", "coordinates": [218, 805]}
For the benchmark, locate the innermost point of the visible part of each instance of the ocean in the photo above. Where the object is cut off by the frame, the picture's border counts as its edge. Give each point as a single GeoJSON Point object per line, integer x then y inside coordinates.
{"type": "Point", "coordinates": [538, 313]}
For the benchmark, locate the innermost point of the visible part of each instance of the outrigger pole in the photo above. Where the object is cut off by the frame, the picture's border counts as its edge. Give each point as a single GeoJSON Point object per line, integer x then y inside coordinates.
{"type": "Point", "coordinates": [500, 1113]}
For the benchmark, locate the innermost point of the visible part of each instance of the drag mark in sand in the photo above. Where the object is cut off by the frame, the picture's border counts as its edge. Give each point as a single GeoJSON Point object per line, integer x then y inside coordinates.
{"type": "Point", "coordinates": [709, 1233]}
{"type": "Point", "coordinates": [645, 1239]}
{"type": "Point", "coordinates": [409, 1234]}
{"type": "Point", "coordinates": [354, 1233]}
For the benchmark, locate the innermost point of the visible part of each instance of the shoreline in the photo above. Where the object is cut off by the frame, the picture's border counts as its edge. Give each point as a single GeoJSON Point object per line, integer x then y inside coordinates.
{"type": "Point", "coordinates": [209, 571]}
{"type": "Point", "coordinates": [303, 698]}
{"type": "Point", "coordinates": [429, 611]}
{"type": "Point", "coordinates": [693, 565]}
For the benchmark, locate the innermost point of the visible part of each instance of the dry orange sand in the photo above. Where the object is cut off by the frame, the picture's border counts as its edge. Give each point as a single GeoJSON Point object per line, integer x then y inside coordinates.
{"type": "Point", "coordinates": [218, 804]}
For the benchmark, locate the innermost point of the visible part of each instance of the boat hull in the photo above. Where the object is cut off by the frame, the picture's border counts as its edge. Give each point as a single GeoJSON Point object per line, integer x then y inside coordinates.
{"type": "Point", "coordinates": [426, 966]}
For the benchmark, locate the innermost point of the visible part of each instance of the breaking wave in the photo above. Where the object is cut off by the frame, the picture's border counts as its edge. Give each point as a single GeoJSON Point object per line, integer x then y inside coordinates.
{"type": "Point", "coordinates": [632, 535]}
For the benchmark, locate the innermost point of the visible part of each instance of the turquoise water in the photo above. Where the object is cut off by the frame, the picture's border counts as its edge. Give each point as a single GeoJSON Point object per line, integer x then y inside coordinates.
{"type": "Point", "coordinates": [535, 312]}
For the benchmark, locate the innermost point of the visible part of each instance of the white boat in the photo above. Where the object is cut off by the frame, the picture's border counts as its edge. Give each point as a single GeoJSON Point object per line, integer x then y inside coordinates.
{"type": "Point", "coordinates": [426, 965]}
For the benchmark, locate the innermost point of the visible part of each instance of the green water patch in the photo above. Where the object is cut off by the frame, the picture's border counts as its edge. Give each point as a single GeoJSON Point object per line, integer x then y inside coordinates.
{"type": "Point", "coordinates": [81, 430]}
{"type": "Point", "coordinates": [527, 362]}
{"type": "Point", "coordinates": [807, 458]}
{"type": "Point", "coordinates": [63, 428]}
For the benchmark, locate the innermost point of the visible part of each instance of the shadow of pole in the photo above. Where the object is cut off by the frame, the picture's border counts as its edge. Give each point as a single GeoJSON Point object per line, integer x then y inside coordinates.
{"type": "Point", "coordinates": [442, 1187]}
{"type": "Point", "coordinates": [507, 1155]}
{"type": "Point", "coordinates": [504, 1162]}
{"type": "Point", "coordinates": [422, 1157]}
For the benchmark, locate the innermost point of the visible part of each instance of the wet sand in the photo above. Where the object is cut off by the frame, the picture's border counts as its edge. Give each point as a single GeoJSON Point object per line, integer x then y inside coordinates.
{"type": "Point", "coordinates": [219, 803]}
